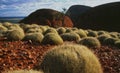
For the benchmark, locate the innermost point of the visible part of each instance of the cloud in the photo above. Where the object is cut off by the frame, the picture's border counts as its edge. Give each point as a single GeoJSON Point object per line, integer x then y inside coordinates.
{"type": "Point", "coordinates": [25, 7]}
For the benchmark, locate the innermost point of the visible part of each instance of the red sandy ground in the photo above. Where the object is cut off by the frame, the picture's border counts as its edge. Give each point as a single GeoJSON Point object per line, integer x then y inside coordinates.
{"type": "Point", "coordinates": [25, 55]}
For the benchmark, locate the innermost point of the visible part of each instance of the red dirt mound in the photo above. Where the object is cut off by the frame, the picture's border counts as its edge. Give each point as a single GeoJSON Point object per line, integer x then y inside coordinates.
{"type": "Point", "coordinates": [48, 17]}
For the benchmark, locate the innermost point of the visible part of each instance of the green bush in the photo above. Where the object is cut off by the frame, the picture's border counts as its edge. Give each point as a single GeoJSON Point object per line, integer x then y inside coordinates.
{"type": "Point", "coordinates": [90, 42]}
{"type": "Point", "coordinates": [70, 59]}
{"type": "Point", "coordinates": [102, 37]}
{"type": "Point", "coordinates": [3, 28]}
{"type": "Point", "coordinates": [92, 34]}
{"type": "Point", "coordinates": [34, 30]}
{"type": "Point", "coordinates": [15, 35]}
{"type": "Point", "coordinates": [70, 36]}
{"type": "Point", "coordinates": [117, 44]}
{"type": "Point", "coordinates": [68, 30]}
{"type": "Point", "coordinates": [61, 30]}
{"type": "Point", "coordinates": [51, 30]}
{"type": "Point", "coordinates": [7, 24]}
{"type": "Point", "coordinates": [114, 34]}
{"type": "Point", "coordinates": [23, 71]}
{"type": "Point", "coordinates": [110, 41]}
{"type": "Point", "coordinates": [81, 33]}
{"type": "Point", "coordinates": [101, 32]}
{"type": "Point", "coordinates": [34, 37]}
{"type": "Point", "coordinates": [52, 38]}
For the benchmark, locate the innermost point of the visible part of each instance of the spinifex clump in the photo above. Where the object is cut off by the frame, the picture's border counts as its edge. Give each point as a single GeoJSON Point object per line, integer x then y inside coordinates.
{"type": "Point", "coordinates": [70, 59]}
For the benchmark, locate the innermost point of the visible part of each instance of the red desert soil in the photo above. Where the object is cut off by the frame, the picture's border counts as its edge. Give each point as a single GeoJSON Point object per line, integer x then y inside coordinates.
{"type": "Point", "coordinates": [25, 55]}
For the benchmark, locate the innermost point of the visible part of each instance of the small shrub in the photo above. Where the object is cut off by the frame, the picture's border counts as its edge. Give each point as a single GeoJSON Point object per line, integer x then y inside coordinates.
{"type": "Point", "coordinates": [14, 26]}
{"type": "Point", "coordinates": [81, 33]}
{"type": "Point", "coordinates": [34, 30]}
{"type": "Point", "coordinates": [15, 35]}
{"type": "Point", "coordinates": [50, 30]}
{"type": "Point", "coordinates": [2, 28]}
{"type": "Point", "coordinates": [34, 37]}
{"type": "Point", "coordinates": [92, 34]}
{"type": "Point", "coordinates": [101, 32]}
{"type": "Point", "coordinates": [70, 36]}
{"type": "Point", "coordinates": [110, 41]}
{"type": "Point", "coordinates": [23, 71]}
{"type": "Point", "coordinates": [61, 30]}
{"type": "Point", "coordinates": [70, 59]}
{"type": "Point", "coordinates": [101, 38]}
{"type": "Point", "coordinates": [74, 29]}
{"type": "Point", "coordinates": [114, 34]}
{"type": "Point", "coordinates": [117, 44]}
{"type": "Point", "coordinates": [68, 30]}
{"type": "Point", "coordinates": [90, 42]}
{"type": "Point", "coordinates": [52, 38]}
{"type": "Point", "coordinates": [7, 24]}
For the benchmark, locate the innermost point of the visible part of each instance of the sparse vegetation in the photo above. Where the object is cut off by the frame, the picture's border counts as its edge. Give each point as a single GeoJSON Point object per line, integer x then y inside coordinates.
{"type": "Point", "coordinates": [70, 59]}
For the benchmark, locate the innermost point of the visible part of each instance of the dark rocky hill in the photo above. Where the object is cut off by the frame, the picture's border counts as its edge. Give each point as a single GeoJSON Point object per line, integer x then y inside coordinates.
{"type": "Point", "coordinates": [75, 11]}
{"type": "Point", "coordinates": [102, 17]}
{"type": "Point", "coordinates": [48, 17]}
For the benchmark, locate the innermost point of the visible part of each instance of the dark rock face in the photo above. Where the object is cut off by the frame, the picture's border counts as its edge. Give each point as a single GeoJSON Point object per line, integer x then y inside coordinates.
{"type": "Point", "coordinates": [48, 17]}
{"type": "Point", "coordinates": [75, 11]}
{"type": "Point", "coordinates": [103, 17]}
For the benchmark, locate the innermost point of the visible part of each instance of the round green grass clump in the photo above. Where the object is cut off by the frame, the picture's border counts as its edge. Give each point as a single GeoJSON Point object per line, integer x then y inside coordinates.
{"type": "Point", "coordinates": [68, 30]}
{"type": "Point", "coordinates": [34, 37]}
{"type": "Point", "coordinates": [90, 42]}
{"type": "Point", "coordinates": [101, 32]}
{"type": "Point", "coordinates": [61, 30]}
{"type": "Point", "coordinates": [70, 59]}
{"type": "Point", "coordinates": [51, 30]}
{"type": "Point", "coordinates": [114, 34]}
{"type": "Point", "coordinates": [3, 28]}
{"type": "Point", "coordinates": [117, 44]}
{"type": "Point", "coordinates": [15, 35]}
{"type": "Point", "coordinates": [110, 41]}
{"type": "Point", "coordinates": [70, 36]}
{"type": "Point", "coordinates": [102, 37]}
{"type": "Point", "coordinates": [81, 33]}
{"type": "Point", "coordinates": [23, 71]}
{"type": "Point", "coordinates": [92, 34]}
{"type": "Point", "coordinates": [34, 30]}
{"type": "Point", "coordinates": [52, 39]}
{"type": "Point", "coordinates": [7, 24]}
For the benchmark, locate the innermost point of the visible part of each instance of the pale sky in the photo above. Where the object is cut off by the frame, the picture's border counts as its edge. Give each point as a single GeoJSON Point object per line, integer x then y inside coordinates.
{"type": "Point", "coordinates": [25, 7]}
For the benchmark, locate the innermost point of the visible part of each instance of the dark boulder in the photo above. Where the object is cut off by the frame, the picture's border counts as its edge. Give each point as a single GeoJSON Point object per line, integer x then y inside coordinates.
{"type": "Point", "coordinates": [49, 17]}
{"type": "Point", "coordinates": [102, 17]}
{"type": "Point", "coordinates": [75, 11]}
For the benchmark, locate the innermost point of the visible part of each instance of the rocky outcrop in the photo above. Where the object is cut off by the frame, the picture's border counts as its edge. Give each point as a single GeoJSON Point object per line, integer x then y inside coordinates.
{"type": "Point", "coordinates": [102, 17]}
{"type": "Point", "coordinates": [75, 11]}
{"type": "Point", "coordinates": [48, 17]}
